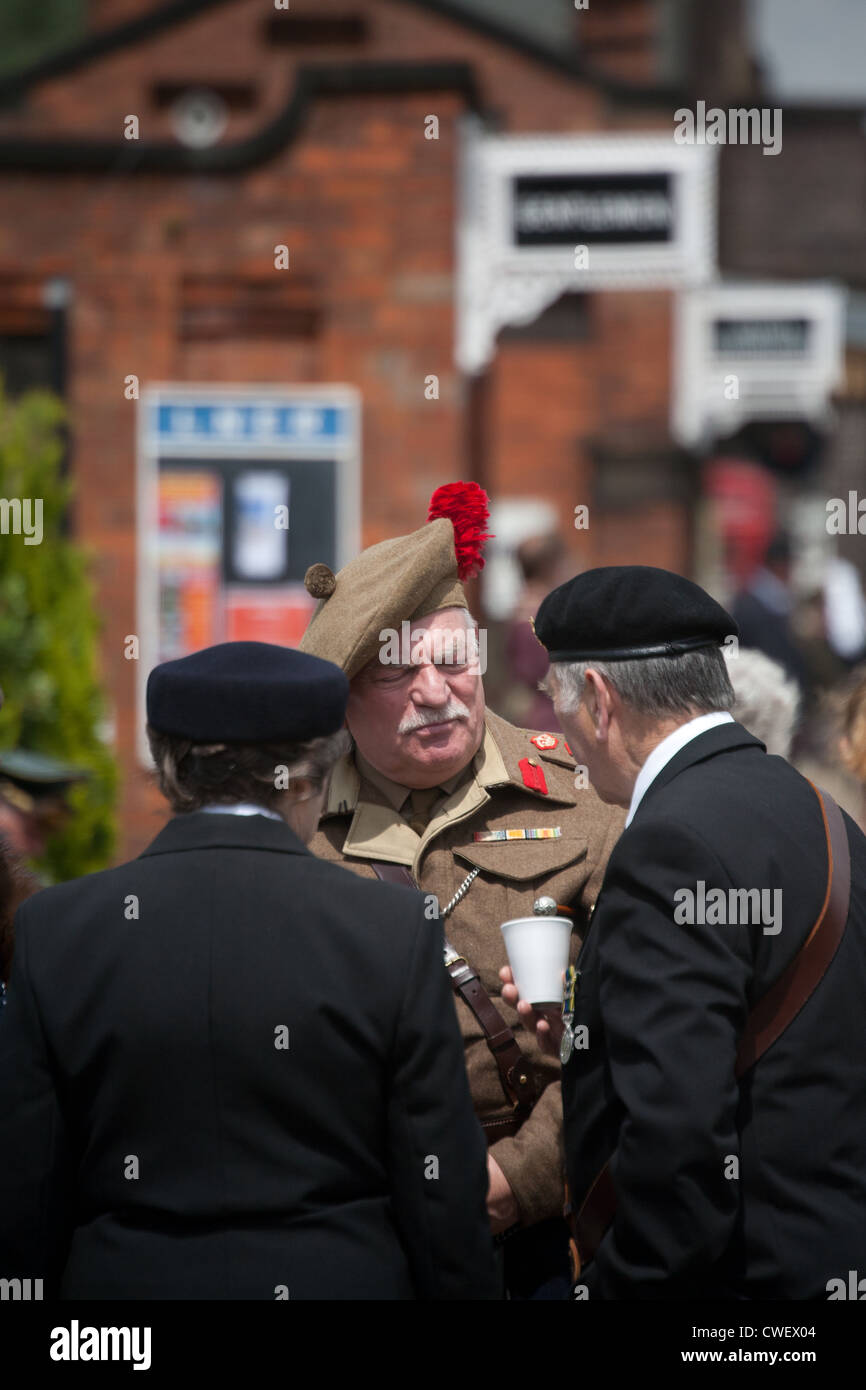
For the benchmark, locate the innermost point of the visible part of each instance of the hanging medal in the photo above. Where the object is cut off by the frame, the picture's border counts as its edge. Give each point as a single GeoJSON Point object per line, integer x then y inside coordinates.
{"type": "Point", "coordinates": [566, 1046]}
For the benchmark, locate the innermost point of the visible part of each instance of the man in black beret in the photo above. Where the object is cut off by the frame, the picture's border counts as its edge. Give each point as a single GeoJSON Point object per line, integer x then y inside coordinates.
{"type": "Point", "coordinates": [714, 1076]}
{"type": "Point", "coordinates": [229, 1070]}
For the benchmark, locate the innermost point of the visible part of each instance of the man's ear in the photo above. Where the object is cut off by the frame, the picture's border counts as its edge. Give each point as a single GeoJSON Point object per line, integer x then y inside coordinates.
{"type": "Point", "coordinates": [598, 702]}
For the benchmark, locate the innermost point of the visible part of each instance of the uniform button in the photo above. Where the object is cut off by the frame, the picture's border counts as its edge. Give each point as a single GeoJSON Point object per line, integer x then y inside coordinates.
{"type": "Point", "coordinates": [544, 907]}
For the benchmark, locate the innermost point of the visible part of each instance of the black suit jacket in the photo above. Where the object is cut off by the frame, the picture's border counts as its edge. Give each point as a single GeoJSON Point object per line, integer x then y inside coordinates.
{"type": "Point", "coordinates": [158, 1143]}
{"type": "Point", "coordinates": [754, 1189]}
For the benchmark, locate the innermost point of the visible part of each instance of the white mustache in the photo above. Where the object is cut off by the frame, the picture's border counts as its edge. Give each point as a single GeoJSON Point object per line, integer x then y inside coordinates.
{"type": "Point", "coordinates": [455, 709]}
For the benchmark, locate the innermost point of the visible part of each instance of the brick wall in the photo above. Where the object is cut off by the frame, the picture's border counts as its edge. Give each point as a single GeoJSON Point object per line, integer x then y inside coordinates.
{"type": "Point", "coordinates": [367, 208]}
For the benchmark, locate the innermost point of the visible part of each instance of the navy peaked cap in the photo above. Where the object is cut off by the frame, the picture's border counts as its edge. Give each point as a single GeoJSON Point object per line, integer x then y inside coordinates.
{"type": "Point", "coordinates": [247, 692]}
{"type": "Point", "coordinates": [623, 612]}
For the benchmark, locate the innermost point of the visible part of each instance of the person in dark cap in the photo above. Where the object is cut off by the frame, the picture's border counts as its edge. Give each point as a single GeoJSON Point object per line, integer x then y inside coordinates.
{"type": "Point", "coordinates": [228, 1069]}
{"type": "Point", "coordinates": [33, 803]}
{"type": "Point", "coordinates": [22, 822]}
{"type": "Point", "coordinates": [714, 1078]}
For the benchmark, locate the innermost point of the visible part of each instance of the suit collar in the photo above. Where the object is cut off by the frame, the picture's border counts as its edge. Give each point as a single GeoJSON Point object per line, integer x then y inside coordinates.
{"type": "Point", "coordinates": [206, 830]}
{"type": "Point", "coordinates": [666, 750]}
{"type": "Point", "coordinates": [723, 739]}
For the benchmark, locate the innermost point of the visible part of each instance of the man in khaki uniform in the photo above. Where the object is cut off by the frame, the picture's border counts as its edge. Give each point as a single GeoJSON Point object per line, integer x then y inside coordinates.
{"type": "Point", "coordinates": [431, 787]}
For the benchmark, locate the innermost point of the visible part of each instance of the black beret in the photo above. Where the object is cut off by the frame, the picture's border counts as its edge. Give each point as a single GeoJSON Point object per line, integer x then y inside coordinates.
{"type": "Point", "coordinates": [247, 692]}
{"type": "Point", "coordinates": [620, 612]}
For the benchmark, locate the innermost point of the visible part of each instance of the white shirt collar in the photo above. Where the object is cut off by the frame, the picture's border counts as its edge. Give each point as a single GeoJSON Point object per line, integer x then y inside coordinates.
{"type": "Point", "coordinates": [241, 808]}
{"type": "Point", "coordinates": [667, 749]}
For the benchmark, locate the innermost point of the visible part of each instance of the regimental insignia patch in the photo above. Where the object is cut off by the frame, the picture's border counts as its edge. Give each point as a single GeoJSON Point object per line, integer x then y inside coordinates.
{"type": "Point", "coordinates": [533, 775]}
{"type": "Point", "coordinates": [541, 832]}
{"type": "Point", "coordinates": [544, 741]}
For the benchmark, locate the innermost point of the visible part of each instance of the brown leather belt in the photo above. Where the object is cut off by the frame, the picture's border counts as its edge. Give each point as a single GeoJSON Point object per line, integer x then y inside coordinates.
{"type": "Point", "coordinates": [767, 1020]}
{"type": "Point", "coordinates": [516, 1074]}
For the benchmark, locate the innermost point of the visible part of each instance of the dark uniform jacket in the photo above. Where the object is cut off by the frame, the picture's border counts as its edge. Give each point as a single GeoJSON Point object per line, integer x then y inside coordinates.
{"type": "Point", "coordinates": [519, 781]}
{"type": "Point", "coordinates": [754, 1189]}
{"type": "Point", "coordinates": [229, 1070]}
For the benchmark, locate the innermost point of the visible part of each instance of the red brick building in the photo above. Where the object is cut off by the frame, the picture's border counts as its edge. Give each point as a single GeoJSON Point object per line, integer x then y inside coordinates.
{"type": "Point", "coordinates": [156, 257]}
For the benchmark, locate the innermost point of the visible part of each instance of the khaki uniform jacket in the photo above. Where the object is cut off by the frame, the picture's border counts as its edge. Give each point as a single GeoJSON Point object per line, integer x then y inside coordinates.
{"type": "Point", "coordinates": [360, 826]}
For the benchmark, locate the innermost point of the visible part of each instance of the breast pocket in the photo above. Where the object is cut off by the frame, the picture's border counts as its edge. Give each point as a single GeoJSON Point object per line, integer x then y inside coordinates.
{"type": "Point", "coordinates": [523, 861]}
{"type": "Point", "coordinates": [530, 869]}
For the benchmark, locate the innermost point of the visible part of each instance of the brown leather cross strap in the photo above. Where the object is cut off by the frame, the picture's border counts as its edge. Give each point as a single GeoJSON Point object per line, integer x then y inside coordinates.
{"type": "Point", "coordinates": [784, 1000]}
{"type": "Point", "coordinates": [394, 873]}
{"type": "Point", "coordinates": [515, 1070]}
{"type": "Point", "coordinates": [770, 1016]}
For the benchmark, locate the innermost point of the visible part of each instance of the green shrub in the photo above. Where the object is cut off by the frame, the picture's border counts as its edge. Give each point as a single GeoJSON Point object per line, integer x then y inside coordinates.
{"type": "Point", "coordinates": [53, 702]}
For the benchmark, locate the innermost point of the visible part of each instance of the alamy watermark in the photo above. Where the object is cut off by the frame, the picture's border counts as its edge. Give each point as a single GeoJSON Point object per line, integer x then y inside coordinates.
{"type": "Point", "coordinates": [77, 1343]}
{"type": "Point", "coordinates": [853, 1288]}
{"type": "Point", "coordinates": [846, 517]}
{"type": "Point", "coordinates": [25, 515]}
{"type": "Point", "coordinates": [456, 647]}
{"type": "Point", "coordinates": [700, 906]}
{"type": "Point", "coordinates": [20, 1290]}
{"type": "Point", "coordinates": [739, 125]}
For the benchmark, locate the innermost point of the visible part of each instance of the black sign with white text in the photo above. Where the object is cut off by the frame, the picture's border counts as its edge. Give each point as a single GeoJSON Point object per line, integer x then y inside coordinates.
{"type": "Point", "coordinates": [761, 337]}
{"type": "Point", "coordinates": [592, 209]}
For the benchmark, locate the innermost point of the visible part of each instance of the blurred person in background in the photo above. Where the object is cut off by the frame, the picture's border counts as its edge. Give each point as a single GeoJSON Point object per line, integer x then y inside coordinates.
{"type": "Point", "coordinates": [852, 744]}
{"type": "Point", "coordinates": [844, 610]}
{"type": "Point", "coordinates": [544, 564]}
{"type": "Point", "coordinates": [18, 837]}
{"type": "Point", "coordinates": [766, 702]}
{"type": "Point", "coordinates": [226, 1067]}
{"type": "Point", "coordinates": [16, 884]}
{"type": "Point", "coordinates": [33, 803]}
{"type": "Point", "coordinates": [763, 610]}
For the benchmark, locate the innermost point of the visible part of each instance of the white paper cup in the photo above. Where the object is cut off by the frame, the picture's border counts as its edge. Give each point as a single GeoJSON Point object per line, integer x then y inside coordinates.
{"type": "Point", "coordinates": [538, 954]}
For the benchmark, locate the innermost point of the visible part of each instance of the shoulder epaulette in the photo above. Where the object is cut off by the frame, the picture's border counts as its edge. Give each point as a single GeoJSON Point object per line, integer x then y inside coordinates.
{"type": "Point", "coordinates": [553, 748]}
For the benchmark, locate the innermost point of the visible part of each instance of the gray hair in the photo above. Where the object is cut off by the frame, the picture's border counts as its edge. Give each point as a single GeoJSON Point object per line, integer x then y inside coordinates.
{"type": "Point", "coordinates": [192, 775]}
{"type": "Point", "coordinates": [766, 699]}
{"type": "Point", "coordinates": [689, 682]}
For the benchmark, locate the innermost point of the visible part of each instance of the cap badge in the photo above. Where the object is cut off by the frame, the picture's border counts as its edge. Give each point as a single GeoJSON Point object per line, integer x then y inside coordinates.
{"type": "Point", "coordinates": [544, 741]}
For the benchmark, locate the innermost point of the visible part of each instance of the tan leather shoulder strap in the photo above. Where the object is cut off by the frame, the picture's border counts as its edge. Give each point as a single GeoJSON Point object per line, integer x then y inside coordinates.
{"type": "Point", "coordinates": [784, 1000]}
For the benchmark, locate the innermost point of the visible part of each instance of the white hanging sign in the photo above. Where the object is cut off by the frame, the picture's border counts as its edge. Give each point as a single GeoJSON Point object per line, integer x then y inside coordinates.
{"type": "Point", "coordinates": [755, 350]}
{"type": "Point", "coordinates": [541, 215]}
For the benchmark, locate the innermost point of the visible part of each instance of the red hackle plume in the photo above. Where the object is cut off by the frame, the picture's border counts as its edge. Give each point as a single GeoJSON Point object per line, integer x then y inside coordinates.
{"type": "Point", "coordinates": [465, 506]}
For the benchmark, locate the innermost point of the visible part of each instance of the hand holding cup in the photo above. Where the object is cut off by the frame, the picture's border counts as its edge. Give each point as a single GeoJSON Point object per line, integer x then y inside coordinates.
{"type": "Point", "coordinates": [545, 1023]}
{"type": "Point", "coordinates": [538, 950]}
